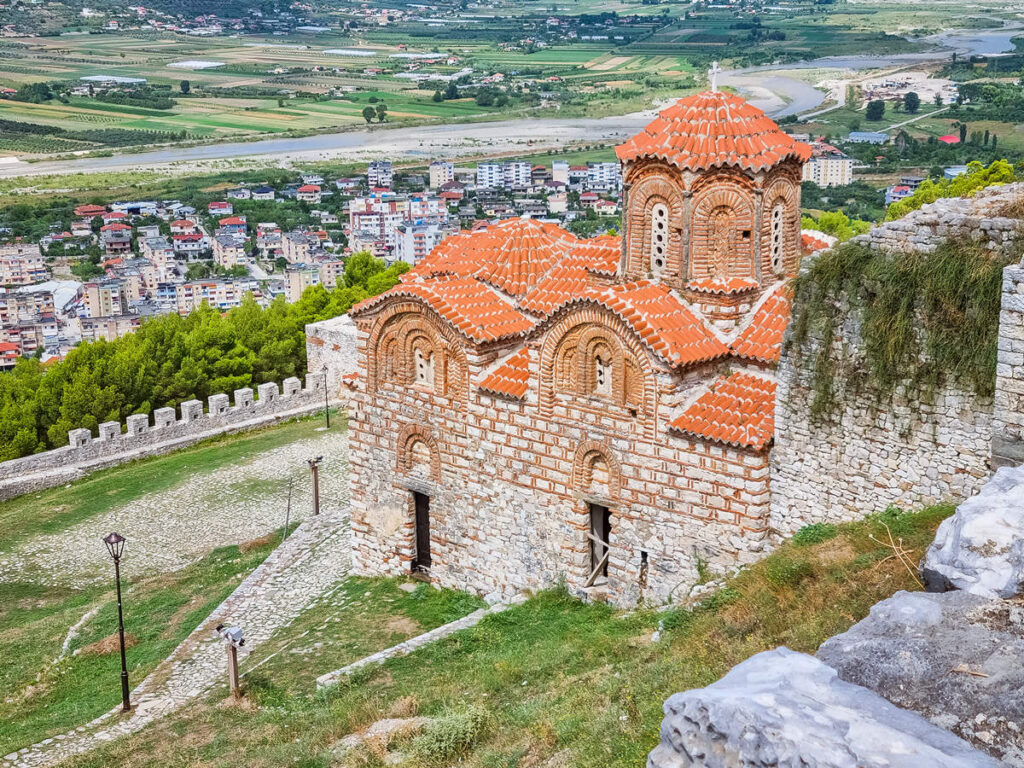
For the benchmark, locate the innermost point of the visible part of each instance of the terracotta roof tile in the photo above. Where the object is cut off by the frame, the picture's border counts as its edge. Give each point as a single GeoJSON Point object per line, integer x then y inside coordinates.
{"type": "Point", "coordinates": [661, 320]}
{"type": "Point", "coordinates": [738, 410]}
{"type": "Point", "coordinates": [729, 285]}
{"type": "Point", "coordinates": [513, 255]}
{"type": "Point", "coordinates": [713, 129]}
{"type": "Point", "coordinates": [762, 339]}
{"type": "Point", "coordinates": [474, 309]}
{"type": "Point", "coordinates": [512, 377]}
{"type": "Point", "coordinates": [813, 241]}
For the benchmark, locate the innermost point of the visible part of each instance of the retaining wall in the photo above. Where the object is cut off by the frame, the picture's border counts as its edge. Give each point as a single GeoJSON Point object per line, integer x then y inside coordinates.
{"type": "Point", "coordinates": [166, 430]}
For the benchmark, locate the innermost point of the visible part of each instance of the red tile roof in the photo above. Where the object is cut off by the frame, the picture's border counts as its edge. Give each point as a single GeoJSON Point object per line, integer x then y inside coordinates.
{"type": "Point", "coordinates": [117, 226]}
{"type": "Point", "coordinates": [183, 224]}
{"type": "Point", "coordinates": [730, 285]}
{"type": "Point", "coordinates": [713, 129]}
{"type": "Point", "coordinates": [469, 305]}
{"type": "Point", "coordinates": [661, 320]}
{"type": "Point", "coordinates": [811, 243]}
{"type": "Point", "coordinates": [738, 410]}
{"type": "Point", "coordinates": [762, 338]}
{"type": "Point", "coordinates": [90, 210]}
{"type": "Point", "coordinates": [512, 377]}
{"type": "Point", "coordinates": [309, 188]}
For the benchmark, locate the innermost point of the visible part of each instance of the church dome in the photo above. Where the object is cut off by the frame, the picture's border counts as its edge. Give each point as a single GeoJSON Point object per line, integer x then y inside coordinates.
{"type": "Point", "coordinates": [714, 129]}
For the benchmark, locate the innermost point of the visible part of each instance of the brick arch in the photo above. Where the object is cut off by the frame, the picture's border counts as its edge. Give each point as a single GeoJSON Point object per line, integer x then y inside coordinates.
{"type": "Point", "coordinates": [650, 185]}
{"type": "Point", "coordinates": [565, 330]}
{"type": "Point", "coordinates": [722, 233]}
{"type": "Point", "coordinates": [592, 338]}
{"type": "Point", "coordinates": [417, 445]}
{"type": "Point", "coordinates": [781, 187]}
{"type": "Point", "coordinates": [596, 470]}
{"type": "Point", "coordinates": [387, 337]}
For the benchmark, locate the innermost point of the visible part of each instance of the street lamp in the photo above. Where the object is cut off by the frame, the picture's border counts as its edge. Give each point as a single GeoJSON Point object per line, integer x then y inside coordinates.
{"type": "Point", "coordinates": [115, 545]}
{"type": "Point", "coordinates": [327, 408]}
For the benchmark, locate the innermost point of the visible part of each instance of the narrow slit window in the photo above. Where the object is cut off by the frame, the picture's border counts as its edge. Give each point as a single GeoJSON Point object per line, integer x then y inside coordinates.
{"type": "Point", "coordinates": [777, 230]}
{"type": "Point", "coordinates": [659, 237]}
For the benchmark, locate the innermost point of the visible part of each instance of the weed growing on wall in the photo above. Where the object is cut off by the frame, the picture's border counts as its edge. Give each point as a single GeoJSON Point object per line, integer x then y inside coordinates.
{"type": "Point", "coordinates": [924, 319]}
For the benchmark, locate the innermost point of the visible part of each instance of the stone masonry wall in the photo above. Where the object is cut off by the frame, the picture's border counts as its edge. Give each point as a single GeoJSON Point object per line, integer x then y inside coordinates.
{"type": "Point", "coordinates": [1008, 421]}
{"type": "Point", "coordinates": [978, 218]}
{"type": "Point", "coordinates": [140, 436]}
{"type": "Point", "coordinates": [876, 451]}
{"type": "Point", "coordinates": [332, 343]}
{"type": "Point", "coordinates": [509, 491]}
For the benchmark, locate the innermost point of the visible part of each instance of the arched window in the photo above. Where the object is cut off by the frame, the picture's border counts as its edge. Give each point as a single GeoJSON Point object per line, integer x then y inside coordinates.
{"type": "Point", "coordinates": [603, 372]}
{"type": "Point", "coordinates": [778, 228]}
{"type": "Point", "coordinates": [423, 374]}
{"type": "Point", "coordinates": [659, 237]}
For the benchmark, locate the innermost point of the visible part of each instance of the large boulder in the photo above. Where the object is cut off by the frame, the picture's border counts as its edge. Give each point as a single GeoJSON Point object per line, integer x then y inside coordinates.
{"type": "Point", "coordinates": [980, 549]}
{"type": "Point", "coordinates": [781, 709]}
{"type": "Point", "coordinates": [954, 658]}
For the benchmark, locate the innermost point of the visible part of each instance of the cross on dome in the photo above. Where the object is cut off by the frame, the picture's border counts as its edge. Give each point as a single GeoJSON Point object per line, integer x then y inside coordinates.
{"type": "Point", "coordinates": [713, 75]}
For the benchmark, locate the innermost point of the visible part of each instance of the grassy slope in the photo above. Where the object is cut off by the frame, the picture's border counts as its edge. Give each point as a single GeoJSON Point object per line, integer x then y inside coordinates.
{"type": "Point", "coordinates": [554, 678]}
{"type": "Point", "coordinates": [38, 699]}
{"type": "Point", "coordinates": [58, 508]}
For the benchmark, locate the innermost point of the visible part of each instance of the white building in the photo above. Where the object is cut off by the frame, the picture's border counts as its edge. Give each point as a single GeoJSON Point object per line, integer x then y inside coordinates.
{"type": "Point", "coordinates": [828, 166]}
{"type": "Point", "coordinates": [560, 171]}
{"type": "Point", "coordinates": [604, 177]}
{"type": "Point", "coordinates": [380, 174]}
{"type": "Point", "coordinates": [21, 264]}
{"type": "Point", "coordinates": [441, 172]}
{"type": "Point", "coordinates": [414, 240]}
{"type": "Point", "coordinates": [503, 175]}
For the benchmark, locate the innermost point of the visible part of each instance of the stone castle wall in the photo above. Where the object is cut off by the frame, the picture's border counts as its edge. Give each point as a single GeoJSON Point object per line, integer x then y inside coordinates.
{"type": "Point", "coordinates": [332, 343]}
{"type": "Point", "coordinates": [876, 450]}
{"type": "Point", "coordinates": [142, 436]}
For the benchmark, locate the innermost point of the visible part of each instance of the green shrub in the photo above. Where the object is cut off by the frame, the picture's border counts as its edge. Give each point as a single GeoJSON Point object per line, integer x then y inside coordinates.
{"type": "Point", "coordinates": [782, 571]}
{"type": "Point", "coordinates": [451, 736]}
{"type": "Point", "coordinates": [815, 533]}
{"type": "Point", "coordinates": [719, 599]}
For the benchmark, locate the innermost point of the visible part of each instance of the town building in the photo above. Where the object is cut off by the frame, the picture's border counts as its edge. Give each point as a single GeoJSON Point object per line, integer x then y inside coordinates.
{"type": "Point", "coordinates": [534, 409]}
{"type": "Point", "coordinates": [414, 240]}
{"type": "Point", "coordinates": [21, 264]}
{"type": "Point", "coordinates": [506, 175]}
{"type": "Point", "coordinates": [604, 177]}
{"type": "Point", "coordinates": [308, 193]}
{"type": "Point", "coordinates": [229, 251]}
{"type": "Point", "coordinates": [116, 238]}
{"type": "Point", "coordinates": [828, 166]}
{"type": "Point", "coordinates": [105, 298]}
{"type": "Point", "coordinates": [380, 174]}
{"type": "Point", "coordinates": [441, 172]}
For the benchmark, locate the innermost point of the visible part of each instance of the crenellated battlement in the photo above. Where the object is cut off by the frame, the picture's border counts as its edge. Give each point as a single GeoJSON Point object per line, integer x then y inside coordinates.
{"type": "Point", "coordinates": [165, 430]}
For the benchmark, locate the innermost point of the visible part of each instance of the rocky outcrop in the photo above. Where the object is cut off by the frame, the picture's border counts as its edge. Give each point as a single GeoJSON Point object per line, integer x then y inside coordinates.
{"type": "Point", "coordinates": [782, 709]}
{"type": "Point", "coordinates": [954, 658]}
{"type": "Point", "coordinates": [980, 218]}
{"type": "Point", "coordinates": [980, 549]}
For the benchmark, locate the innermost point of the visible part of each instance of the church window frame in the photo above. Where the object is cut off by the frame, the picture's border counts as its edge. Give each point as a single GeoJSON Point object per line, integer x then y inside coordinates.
{"type": "Point", "coordinates": [659, 238]}
{"type": "Point", "coordinates": [777, 235]}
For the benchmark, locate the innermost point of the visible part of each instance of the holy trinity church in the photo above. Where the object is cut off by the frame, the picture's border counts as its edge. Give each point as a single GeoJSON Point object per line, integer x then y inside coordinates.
{"type": "Point", "coordinates": [532, 407]}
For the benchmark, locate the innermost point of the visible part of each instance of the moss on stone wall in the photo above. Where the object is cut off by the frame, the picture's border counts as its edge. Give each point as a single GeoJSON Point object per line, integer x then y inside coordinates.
{"type": "Point", "coordinates": [923, 320]}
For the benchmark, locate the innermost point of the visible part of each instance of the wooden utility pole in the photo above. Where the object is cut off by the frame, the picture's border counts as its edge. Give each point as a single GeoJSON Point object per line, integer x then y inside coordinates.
{"type": "Point", "coordinates": [233, 671]}
{"type": "Point", "coordinates": [314, 466]}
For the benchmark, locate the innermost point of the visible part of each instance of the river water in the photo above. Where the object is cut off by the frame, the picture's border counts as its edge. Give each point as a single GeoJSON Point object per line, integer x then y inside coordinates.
{"type": "Point", "coordinates": [777, 94]}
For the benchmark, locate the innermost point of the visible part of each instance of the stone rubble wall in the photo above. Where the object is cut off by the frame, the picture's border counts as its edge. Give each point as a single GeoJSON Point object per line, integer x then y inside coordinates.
{"type": "Point", "coordinates": [1008, 417]}
{"type": "Point", "coordinates": [978, 218]}
{"type": "Point", "coordinates": [901, 449]}
{"type": "Point", "coordinates": [142, 435]}
{"type": "Point", "coordinates": [332, 343]}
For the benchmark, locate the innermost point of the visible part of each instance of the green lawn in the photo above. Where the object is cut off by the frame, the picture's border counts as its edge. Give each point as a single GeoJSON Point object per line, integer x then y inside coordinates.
{"type": "Point", "coordinates": [59, 508]}
{"type": "Point", "coordinates": [550, 680]}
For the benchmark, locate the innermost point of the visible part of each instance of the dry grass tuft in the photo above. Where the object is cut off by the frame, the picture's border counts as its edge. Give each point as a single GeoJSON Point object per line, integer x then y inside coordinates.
{"type": "Point", "coordinates": [109, 644]}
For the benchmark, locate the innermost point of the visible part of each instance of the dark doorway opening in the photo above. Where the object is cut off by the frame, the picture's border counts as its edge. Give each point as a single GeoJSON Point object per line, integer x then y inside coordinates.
{"type": "Point", "coordinates": [600, 535]}
{"type": "Point", "coordinates": [421, 561]}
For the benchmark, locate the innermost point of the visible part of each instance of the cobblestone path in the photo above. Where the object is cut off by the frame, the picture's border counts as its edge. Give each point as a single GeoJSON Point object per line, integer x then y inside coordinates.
{"type": "Point", "coordinates": [228, 505]}
{"type": "Point", "coordinates": [305, 568]}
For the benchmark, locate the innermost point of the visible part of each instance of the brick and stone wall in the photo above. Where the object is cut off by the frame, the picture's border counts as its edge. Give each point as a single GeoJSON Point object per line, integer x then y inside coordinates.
{"type": "Point", "coordinates": [140, 436]}
{"type": "Point", "coordinates": [880, 449]}
{"type": "Point", "coordinates": [332, 343]}
{"type": "Point", "coordinates": [510, 481]}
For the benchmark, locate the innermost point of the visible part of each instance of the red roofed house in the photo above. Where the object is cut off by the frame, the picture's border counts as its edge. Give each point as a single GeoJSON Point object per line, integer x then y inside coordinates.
{"type": "Point", "coordinates": [308, 193]}
{"type": "Point", "coordinates": [532, 407]}
{"type": "Point", "coordinates": [950, 139]}
{"type": "Point", "coordinates": [90, 211]}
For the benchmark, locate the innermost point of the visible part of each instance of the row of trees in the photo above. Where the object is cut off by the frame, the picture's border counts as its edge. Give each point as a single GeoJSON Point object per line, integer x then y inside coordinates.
{"type": "Point", "coordinates": [171, 359]}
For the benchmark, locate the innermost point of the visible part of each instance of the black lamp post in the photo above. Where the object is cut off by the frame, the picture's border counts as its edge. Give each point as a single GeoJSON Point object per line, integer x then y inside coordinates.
{"type": "Point", "coordinates": [115, 545]}
{"type": "Point", "coordinates": [327, 408]}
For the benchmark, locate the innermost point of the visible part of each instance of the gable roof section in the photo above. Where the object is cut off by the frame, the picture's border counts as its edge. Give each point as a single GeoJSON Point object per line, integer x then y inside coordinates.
{"type": "Point", "coordinates": [714, 129]}
{"type": "Point", "coordinates": [661, 320]}
{"type": "Point", "coordinates": [762, 338]}
{"type": "Point", "coordinates": [738, 410]}
{"type": "Point", "coordinates": [511, 378]}
{"type": "Point", "coordinates": [471, 307]}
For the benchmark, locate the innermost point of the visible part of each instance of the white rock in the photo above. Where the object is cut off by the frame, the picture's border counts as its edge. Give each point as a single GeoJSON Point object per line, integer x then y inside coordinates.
{"type": "Point", "coordinates": [980, 548]}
